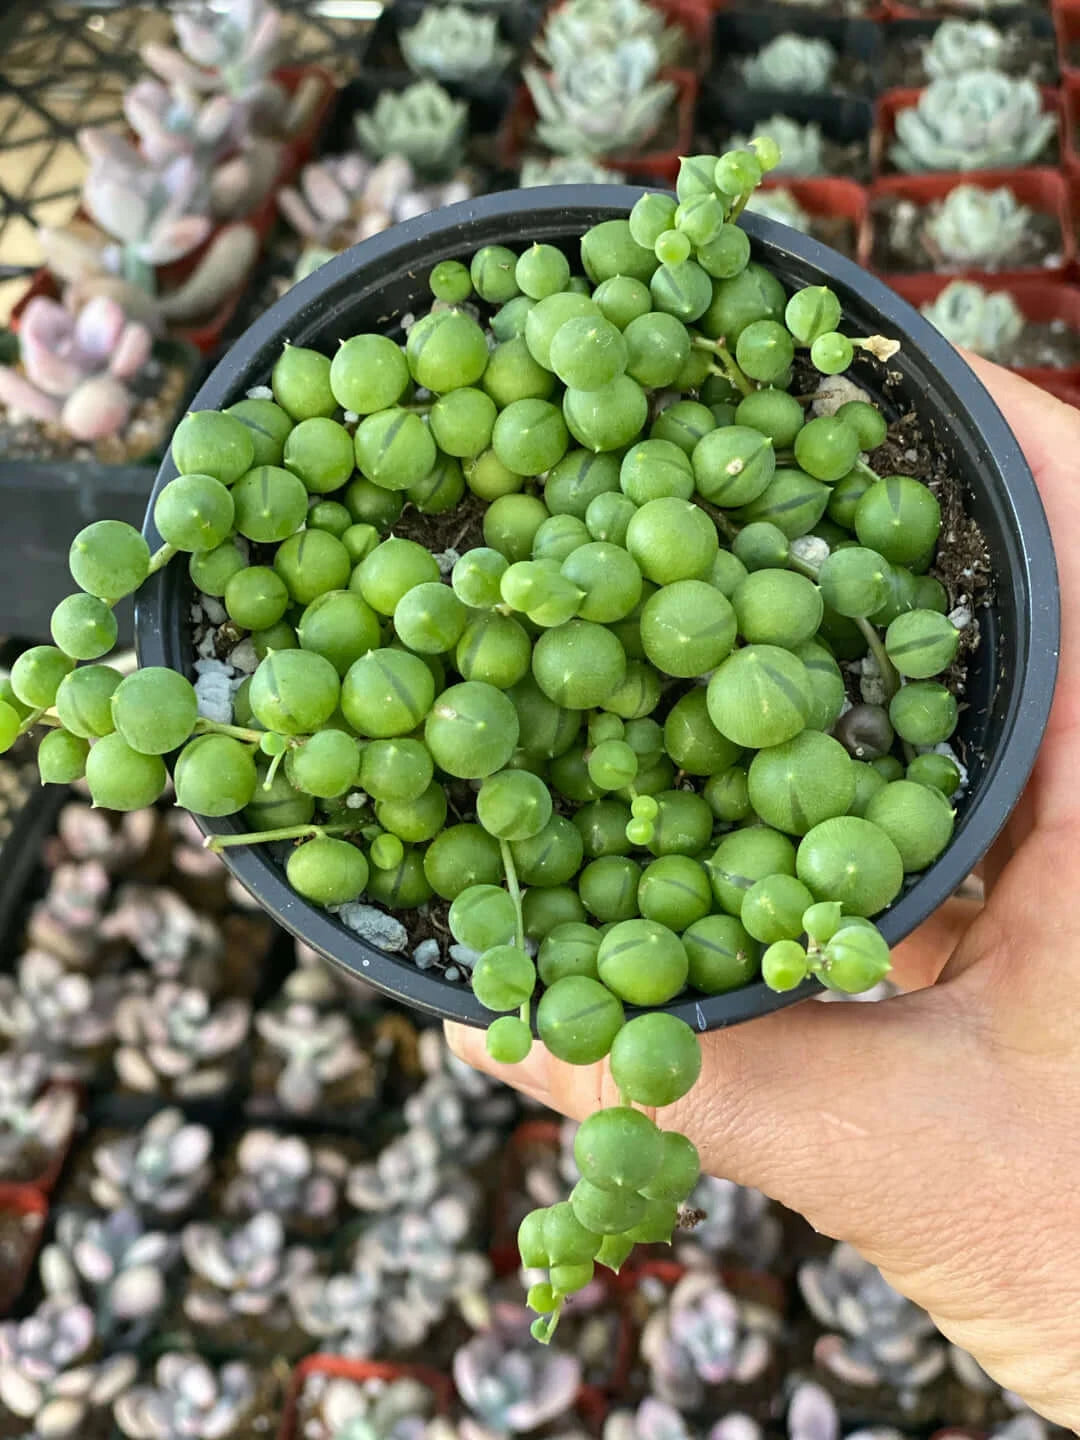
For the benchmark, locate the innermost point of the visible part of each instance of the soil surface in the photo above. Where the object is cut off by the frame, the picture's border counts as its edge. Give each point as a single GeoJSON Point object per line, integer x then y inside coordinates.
{"type": "Point", "coordinates": [158, 388]}
{"type": "Point", "coordinates": [1025, 53]}
{"type": "Point", "coordinates": [19, 1236]}
{"type": "Point", "coordinates": [1053, 345]}
{"type": "Point", "coordinates": [850, 76]}
{"type": "Point", "coordinates": [901, 242]}
{"type": "Point", "coordinates": [834, 230]}
{"type": "Point", "coordinates": [31, 1162]}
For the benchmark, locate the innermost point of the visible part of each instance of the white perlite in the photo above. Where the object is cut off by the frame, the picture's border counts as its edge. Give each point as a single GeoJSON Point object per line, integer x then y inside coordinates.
{"type": "Point", "coordinates": [426, 954]}
{"type": "Point", "coordinates": [373, 925]}
{"type": "Point", "coordinates": [214, 689]}
{"type": "Point", "coordinates": [446, 560]}
{"type": "Point", "coordinates": [811, 550]}
{"type": "Point", "coordinates": [465, 957]}
{"type": "Point", "coordinates": [243, 658]}
{"type": "Point", "coordinates": [961, 616]}
{"type": "Point", "coordinates": [213, 609]}
{"type": "Point", "coordinates": [834, 391]}
{"type": "Point", "coordinates": [260, 392]}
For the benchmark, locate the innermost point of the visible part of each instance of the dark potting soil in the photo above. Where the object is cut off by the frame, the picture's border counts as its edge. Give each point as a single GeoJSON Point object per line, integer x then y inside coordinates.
{"type": "Point", "coordinates": [158, 388]}
{"type": "Point", "coordinates": [834, 230]}
{"type": "Point", "coordinates": [901, 242]}
{"type": "Point", "coordinates": [19, 1236]}
{"type": "Point", "coordinates": [1053, 345]}
{"type": "Point", "coordinates": [1025, 53]}
{"type": "Point", "coordinates": [31, 1162]}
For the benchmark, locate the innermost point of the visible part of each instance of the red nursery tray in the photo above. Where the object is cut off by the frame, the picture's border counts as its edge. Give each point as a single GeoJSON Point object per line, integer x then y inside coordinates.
{"type": "Point", "coordinates": [540, 1133]}
{"type": "Point", "coordinates": [1040, 188]}
{"type": "Point", "coordinates": [26, 1201]}
{"type": "Point", "coordinates": [1040, 301]}
{"type": "Point", "coordinates": [661, 164]}
{"type": "Point", "coordinates": [1069, 393]}
{"type": "Point", "coordinates": [895, 100]}
{"type": "Point", "coordinates": [1070, 104]}
{"type": "Point", "coordinates": [342, 1368]}
{"type": "Point", "coordinates": [1067, 28]}
{"type": "Point", "coordinates": [831, 196]}
{"type": "Point", "coordinates": [49, 1176]}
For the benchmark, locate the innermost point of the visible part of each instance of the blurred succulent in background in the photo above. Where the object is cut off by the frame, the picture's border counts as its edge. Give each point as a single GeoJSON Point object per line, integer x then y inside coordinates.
{"type": "Point", "coordinates": [582, 26]}
{"type": "Point", "coordinates": [301, 1183]}
{"type": "Point", "coordinates": [69, 1018]}
{"type": "Point", "coordinates": [117, 1265]}
{"type": "Point", "coordinates": [408, 1171]}
{"type": "Point", "coordinates": [337, 1408]}
{"type": "Point", "coordinates": [980, 320]}
{"type": "Point", "coordinates": [342, 199]}
{"type": "Point", "coordinates": [232, 48]}
{"type": "Point", "coordinates": [812, 1415]}
{"type": "Point", "coordinates": [67, 920]}
{"type": "Point", "coordinates": [978, 120]}
{"type": "Point", "coordinates": [796, 64]}
{"type": "Point", "coordinates": [74, 367]}
{"type": "Point", "coordinates": [657, 1420]}
{"type": "Point", "coordinates": [47, 1375]}
{"type": "Point", "coordinates": [879, 1338]}
{"type": "Point", "coordinates": [314, 1044]}
{"type": "Point", "coordinates": [976, 227]}
{"type": "Point", "coordinates": [704, 1335]}
{"type": "Point", "coordinates": [36, 1120]}
{"type": "Point", "coordinates": [959, 45]}
{"type": "Point", "coordinates": [781, 205]}
{"type": "Point", "coordinates": [737, 1222]}
{"type": "Point", "coordinates": [567, 170]}
{"type": "Point", "coordinates": [447, 43]}
{"type": "Point", "coordinates": [188, 1400]}
{"type": "Point", "coordinates": [512, 1386]}
{"type": "Point", "coordinates": [174, 1040]}
{"type": "Point", "coordinates": [174, 939]}
{"type": "Point", "coordinates": [115, 841]}
{"type": "Point", "coordinates": [422, 123]}
{"type": "Point", "coordinates": [484, 1104]}
{"type": "Point", "coordinates": [246, 1271]}
{"type": "Point", "coordinates": [161, 1170]}
{"type": "Point", "coordinates": [602, 93]}
{"type": "Point", "coordinates": [802, 147]}
{"type": "Point", "coordinates": [344, 1312]}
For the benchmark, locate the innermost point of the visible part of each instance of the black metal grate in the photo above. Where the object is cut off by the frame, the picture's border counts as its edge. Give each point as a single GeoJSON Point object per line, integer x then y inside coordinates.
{"type": "Point", "coordinates": [63, 66]}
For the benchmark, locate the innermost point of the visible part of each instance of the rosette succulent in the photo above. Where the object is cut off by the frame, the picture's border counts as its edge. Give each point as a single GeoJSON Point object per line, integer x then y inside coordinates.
{"type": "Point", "coordinates": [74, 368]}
{"type": "Point", "coordinates": [781, 205]}
{"type": "Point", "coordinates": [797, 64]}
{"type": "Point", "coordinates": [877, 1337]}
{"type": "Point", "coordinates": [176, 941]}
{"type": "Point", "coordinates": [736, 1222]}
{"type": "Point", "coordinates": [47, 1375]}
{"type": "Point", "coordinates": [161, 1170]}
{"type": "Point", "coordinates": [188, 1399]}
{"type": "Point", "coordinates": [984, 321]}
{"type": "Point", "coordinates": [960, 45]}
{"type": "Point", "coordinates": [314, 1043]}
{"type": "Point", "coordinates": [978, 120]}
{"type": "Point", "coordinates": [115, 1264]}
{"type": "Point", "coordinates": [655, 1419]}
{"type": "Point", "coordinates": [422, 123]}
{"type": "Point", "coordinates": [337, 1408]}
{"type": "Point", "coordinates": [174, 1040]}
{"type": "Point", "coordinates": [36, 1119]}
{"type": "Point", "coordinates": [67, 921]}
{"type": "Point", "coordinates": [977, 227]}
{"type": "Point", "coordinates": [449, 44]}
{"type": "Point", "coordinates": [67, 1017]}
{"type": "Point", "coordinates": [513, 1388]}
{"type": "Point", "coordinates": [704, 1335]}
{"type": "Point", "coordinates": [300, 1182]}
{"type": "Point", "coordinates": [245, 1271]}
{"type": "Point", "coordinates": [345, 1312]}
{"type": "Point", "coordinates": [801, 146]}
{"type": "Point", "coordinates": [567, 170]}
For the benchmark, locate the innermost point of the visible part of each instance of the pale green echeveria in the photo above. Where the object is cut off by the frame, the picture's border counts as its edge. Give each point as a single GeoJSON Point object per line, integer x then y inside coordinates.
{"type": "Point", "coordinates": [959, 45]}
{"type": "Point", "coordinates": [448, 43]}
{"type": "Point", "coordinates": [423, 123]}
{"type": "Point", "coordinates": [567, 170]}
{"type": "Point", "coordinates": [580, 28]}
{"type": "Point", "coordinates": [980, 120]}
{"type": "Point", "coordinates": [972, 226]}
{"type": "Point", "coordinates": [802, 147]}
{"type": "Point", "coordinates": [782, 206]}
{"type": "Point", "coordinates": [968, 315]}
{"type": "Point", "coordinates": [608, 101]}
{"type": "Point", "coordinates": [796, 64]}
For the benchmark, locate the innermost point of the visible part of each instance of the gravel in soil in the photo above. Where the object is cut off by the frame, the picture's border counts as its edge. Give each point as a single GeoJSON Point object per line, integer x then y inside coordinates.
{"type": "Point", "coordinates": [901, 242]}
{"type": "Point", "coordinates": [158, 389]}
{"type": "Point", "coordinates": [1024, 53]}
{"type": "Point", "coordinates": [19, 1236]}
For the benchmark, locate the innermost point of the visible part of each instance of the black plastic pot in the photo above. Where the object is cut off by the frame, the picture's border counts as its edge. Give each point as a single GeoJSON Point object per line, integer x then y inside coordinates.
{"type": "Point", "coordinates": [1012, 678]}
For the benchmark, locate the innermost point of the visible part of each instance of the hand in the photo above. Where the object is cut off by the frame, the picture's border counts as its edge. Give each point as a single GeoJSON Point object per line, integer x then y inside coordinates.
{"type": "Point", "coordinates": [938, 1132]}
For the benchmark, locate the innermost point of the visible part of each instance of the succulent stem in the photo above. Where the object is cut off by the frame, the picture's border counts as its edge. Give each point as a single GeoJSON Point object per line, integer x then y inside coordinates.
{"type": "Point", "coordinates": [876, 645]}
{"type": "Point", "coordinates": [286, 832]}
{"type": "Point", "coordinates": [727, 363]}
{"type": "Point", "coordinates": [203, 726]}
{"type": "Point", "coordinates": [160, 558]}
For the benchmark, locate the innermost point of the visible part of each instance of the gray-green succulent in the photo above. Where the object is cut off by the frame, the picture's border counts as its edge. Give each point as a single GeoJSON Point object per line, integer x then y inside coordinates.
{"type": "Point", "coordinates": [959, 45]}
{"type": "Point", "coordinates": [797, 64]}
{"type": "Point", "coordinates": [567, 170]}
{"type": "Point", "coordinates": [423, 123]}
{"type": "Point", "coordinates": [968, 315]}
{"type": "Point", "coordinates": [972, 226]}
{"type": "Point", "coordinates": [780, 205]}
{"type": "Point", "coordinates": [448, 43]}
{"type": "Point", "coordinates": [978, 120]}
{"type": "Point", "coordinates": [802, 147]}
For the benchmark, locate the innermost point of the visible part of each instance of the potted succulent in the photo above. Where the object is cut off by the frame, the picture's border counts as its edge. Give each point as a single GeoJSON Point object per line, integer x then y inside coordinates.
{"type": "Point", "coordinates": [37, 1120]}
{"type": "Point", "coordinates": [817, 135]}
{"type": "Point", "coordinates": [186, 1394]}
{"type": "Point", "coordinates": [576, 696]}
{"type": "Point", "coordinates": [1020, 43]}
{"type": "Point", "coordinates": [815, 55]}
{"type": "Point", "coordinates": [832, 210]}
{"type": "Point", "coordinates": [972, 119]}
{"type": "Point", "coordinates": [161, 1171]}
{"type": "Point", "coordinates": [22, 1224]}
{"type": "Point", "coordinates": [331, 1397]}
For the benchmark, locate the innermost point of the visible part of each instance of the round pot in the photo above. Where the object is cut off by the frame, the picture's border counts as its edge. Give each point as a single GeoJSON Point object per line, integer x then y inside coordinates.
{"type": "Point", "coordinates": [1011, 682]}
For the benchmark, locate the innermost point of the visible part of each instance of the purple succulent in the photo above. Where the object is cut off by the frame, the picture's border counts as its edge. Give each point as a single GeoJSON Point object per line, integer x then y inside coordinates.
{"type": "Point", "coordinates": [285, 1174]}
{"type": "Point", "coordinates": [174, 939]}
{"type": "Point", "coordinates": [154, 214]}
{"type": "Point", "coordinates": [66, 921]}
{"type": "Point", "coordinates": [247, 1271]}
{"type": "Point", "coordinates": [234, 49]}
{"type": "Point", "coordinates": [116, 1264]}
{"type": "Point", "coordinates": [32, 1113]}
{"type": "Point", "coordinates": [64, 1015]}
{"type": "Point", "coordinates": [344, 1409]}
{"type": "Point", "coordinates": [161, 1170]}
{"type": "Point", "coordinates": [515, 1387]}
{"type": "Point", "coordinates": [74, 366]}
{"type": "Point", "coordinates": [175, 1038]}
{"type": "Point", "coordinates": [188, 1400]}
{"type": "Point", "coordinates": [45, 1372]}
{"type": "Point", "coordinates": [116, 842]}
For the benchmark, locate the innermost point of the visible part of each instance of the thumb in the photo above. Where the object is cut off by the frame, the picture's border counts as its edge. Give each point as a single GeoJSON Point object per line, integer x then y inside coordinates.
{"type": "Point", "coordinates": [820, 1106]}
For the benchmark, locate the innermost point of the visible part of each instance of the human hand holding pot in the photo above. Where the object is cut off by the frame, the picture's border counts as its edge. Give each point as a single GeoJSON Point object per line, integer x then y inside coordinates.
{"type": "Point", "coordinates": [937, 1131]}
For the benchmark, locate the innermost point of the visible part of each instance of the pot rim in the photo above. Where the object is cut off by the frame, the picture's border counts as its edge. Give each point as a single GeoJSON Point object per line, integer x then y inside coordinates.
{"type": "Point", "coordinates": [939, 371]}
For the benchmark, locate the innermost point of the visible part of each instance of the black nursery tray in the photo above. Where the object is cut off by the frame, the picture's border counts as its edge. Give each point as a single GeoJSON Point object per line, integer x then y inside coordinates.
{"type": "Point", "coordinates": [846, 123]}
{"type": "Point", "coordinates": [738, 34]}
